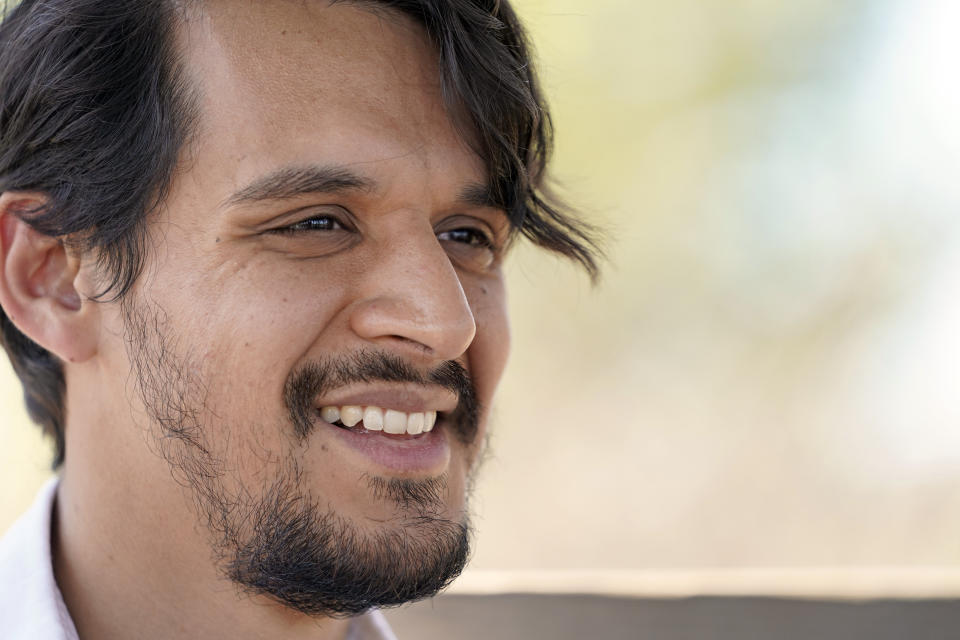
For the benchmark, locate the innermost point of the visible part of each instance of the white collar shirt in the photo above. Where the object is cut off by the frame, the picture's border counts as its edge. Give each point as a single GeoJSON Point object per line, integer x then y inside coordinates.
{"type": "Point", "coordinates": [31, 605]}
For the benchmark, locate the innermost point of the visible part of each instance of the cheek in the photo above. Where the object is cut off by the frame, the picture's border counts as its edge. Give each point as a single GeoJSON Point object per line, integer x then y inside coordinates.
{"type": "Point", "coordinates": [487, 356]}
{"type": "Point", "coordinates": [248, 329]}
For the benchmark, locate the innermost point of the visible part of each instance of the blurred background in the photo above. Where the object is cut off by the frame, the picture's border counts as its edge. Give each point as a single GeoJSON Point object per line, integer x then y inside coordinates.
{"type": "Point", "coordinates": [767, 375]}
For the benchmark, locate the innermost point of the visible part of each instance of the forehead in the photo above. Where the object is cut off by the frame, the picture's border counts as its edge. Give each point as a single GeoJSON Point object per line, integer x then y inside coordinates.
{"type": "Point", "coordinates": [289, 82]}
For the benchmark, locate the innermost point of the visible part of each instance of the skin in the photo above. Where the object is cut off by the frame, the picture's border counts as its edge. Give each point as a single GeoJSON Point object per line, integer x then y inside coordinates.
{"type": "Point", "coordinates": [281, 85]}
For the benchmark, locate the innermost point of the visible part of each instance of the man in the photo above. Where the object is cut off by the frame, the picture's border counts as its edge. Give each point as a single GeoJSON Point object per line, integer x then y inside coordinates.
{"type": "Point", "coordinates": [250, 269]}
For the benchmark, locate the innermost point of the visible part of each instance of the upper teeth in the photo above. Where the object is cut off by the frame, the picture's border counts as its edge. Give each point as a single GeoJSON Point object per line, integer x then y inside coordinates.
{"type": "Point", "coordinates": [378, 419]}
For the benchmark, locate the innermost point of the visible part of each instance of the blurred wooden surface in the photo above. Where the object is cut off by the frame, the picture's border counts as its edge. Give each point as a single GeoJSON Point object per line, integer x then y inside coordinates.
{"type": "Point", "coordinates": [536, 617]}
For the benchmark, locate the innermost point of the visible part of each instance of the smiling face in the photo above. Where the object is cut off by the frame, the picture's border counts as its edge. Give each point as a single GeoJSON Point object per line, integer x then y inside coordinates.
{"type": "Point", "coordinates": [323, 283]}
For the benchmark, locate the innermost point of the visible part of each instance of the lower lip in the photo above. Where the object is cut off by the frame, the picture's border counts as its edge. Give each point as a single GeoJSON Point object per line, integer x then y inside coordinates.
{"type": "Point", "coordinates": [427, 453]}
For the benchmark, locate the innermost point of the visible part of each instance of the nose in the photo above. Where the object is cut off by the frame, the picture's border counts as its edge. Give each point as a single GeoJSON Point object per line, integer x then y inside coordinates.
{"type": "Point", "coordinates": [413, 299]}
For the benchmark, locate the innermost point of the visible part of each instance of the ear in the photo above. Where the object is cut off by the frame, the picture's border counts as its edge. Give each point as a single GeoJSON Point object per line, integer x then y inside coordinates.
{"type": "Point", "coordinates": [38, 284]}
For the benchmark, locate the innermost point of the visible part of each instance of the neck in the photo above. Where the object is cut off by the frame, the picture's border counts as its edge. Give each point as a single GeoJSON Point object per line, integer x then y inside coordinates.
{"type": "Point", "coordinates": [126, 571]}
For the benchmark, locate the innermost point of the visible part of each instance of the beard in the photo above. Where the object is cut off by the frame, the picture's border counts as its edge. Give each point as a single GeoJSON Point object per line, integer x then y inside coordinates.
{"type": "Point", "coordinates": [279, 541]}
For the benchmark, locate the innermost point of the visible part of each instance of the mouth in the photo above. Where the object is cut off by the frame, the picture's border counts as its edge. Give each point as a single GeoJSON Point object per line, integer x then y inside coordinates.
{"type": "Point", "coordinates": [373, 419]}
{"type": "Point", "coordinates": [398, 442]}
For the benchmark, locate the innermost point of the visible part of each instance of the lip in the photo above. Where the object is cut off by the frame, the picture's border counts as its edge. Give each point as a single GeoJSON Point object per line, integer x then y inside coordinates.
{"type": "Point", "coordinates": [409, 399]}
{"type": "Point", "coordinates": [424, 454]}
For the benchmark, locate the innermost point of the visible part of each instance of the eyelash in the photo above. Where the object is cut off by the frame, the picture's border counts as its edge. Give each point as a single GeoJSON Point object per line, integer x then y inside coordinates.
{"type": "Point", "coordinates": [311, 224]}
{"type": "Point", "coordinates": [478, 237]}
{"type": "Point", "coordinates": [330, 223]}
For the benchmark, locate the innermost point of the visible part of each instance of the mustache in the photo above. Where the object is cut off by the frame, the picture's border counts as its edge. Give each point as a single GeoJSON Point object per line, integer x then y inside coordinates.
{"type": "Point", "coordinates": [319, 377]}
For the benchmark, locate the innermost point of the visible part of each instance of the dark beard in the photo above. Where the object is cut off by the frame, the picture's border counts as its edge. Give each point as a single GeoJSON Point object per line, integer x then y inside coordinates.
{"type": "Point", "coordinates": [281, 542]}
{"type": "Point", "coordinates": [319, 564]}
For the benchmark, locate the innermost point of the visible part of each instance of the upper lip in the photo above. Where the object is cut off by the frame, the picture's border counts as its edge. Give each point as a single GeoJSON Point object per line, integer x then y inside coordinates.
{"type": "Point", "coordinates": [406, 398]}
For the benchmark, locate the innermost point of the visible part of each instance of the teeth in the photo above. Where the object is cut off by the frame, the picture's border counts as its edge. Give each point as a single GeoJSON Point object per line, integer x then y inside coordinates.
{"type": "Point", "coordinates": [378, 419]}
{"type": "Point", "coordinates": [415, 423]}
{"type": "Point", "coordinates": [349, 415]}
{"type": "Point", "coordinates": [394, 421]}
{"type": "Point", "coordinates": [373, 419]}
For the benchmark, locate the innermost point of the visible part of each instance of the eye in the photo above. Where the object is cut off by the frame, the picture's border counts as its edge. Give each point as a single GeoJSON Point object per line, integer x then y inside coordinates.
{"type": "Point", "coordinates": [472, 237]}
{"type": "Point", "coordinates": [313, 223]}
{"type": "Point", "coordinates": [470, 248]}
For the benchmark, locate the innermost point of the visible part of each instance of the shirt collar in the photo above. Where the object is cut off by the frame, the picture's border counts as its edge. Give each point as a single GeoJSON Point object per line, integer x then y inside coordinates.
{"type": "Point", "coordinates": [31, 605]}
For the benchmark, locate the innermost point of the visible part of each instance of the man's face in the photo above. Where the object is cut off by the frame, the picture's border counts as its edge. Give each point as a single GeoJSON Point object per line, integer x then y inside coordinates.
{"type": "Point", "coordinates": [325, 244]}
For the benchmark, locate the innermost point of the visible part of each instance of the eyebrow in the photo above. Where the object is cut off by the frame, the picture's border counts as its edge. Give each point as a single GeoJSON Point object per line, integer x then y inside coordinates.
{"type": "Point", "coordinates": [479, 195]}
{"type": "Point", "coordinates": [290, 182]}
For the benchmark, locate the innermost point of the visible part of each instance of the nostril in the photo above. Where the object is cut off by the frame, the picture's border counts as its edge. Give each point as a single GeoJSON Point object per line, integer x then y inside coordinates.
{"type": "Point", "coordinates": [410, 342]}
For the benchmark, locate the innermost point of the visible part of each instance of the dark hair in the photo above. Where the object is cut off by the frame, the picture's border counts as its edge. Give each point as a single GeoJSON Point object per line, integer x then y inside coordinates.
{"type": "Point", "coordinates": [94, 114]}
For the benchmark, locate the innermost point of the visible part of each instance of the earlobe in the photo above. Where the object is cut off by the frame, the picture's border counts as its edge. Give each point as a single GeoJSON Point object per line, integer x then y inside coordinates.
{"type": "Point", "coordinates": [38, 284]}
